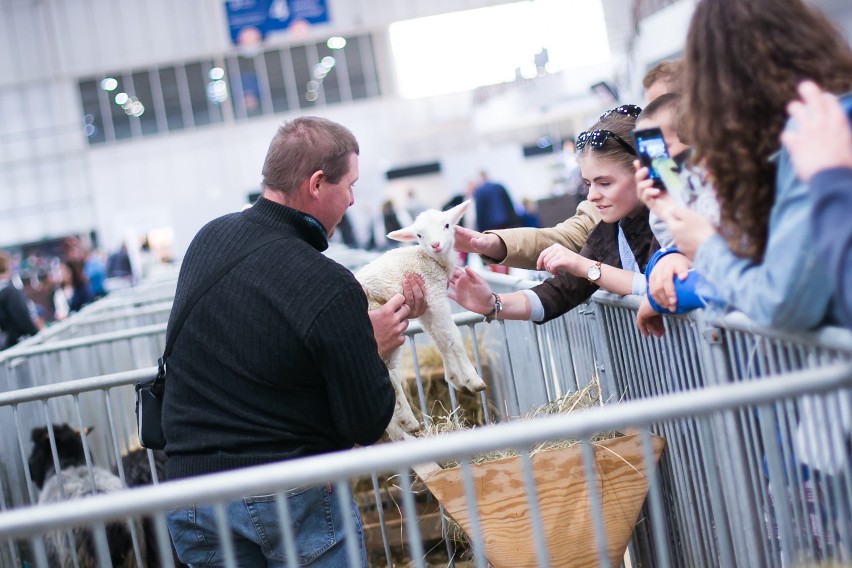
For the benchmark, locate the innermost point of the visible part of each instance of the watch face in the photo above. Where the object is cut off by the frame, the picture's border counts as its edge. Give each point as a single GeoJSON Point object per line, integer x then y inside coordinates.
{"type": "Point", "coordinates": [594, 272]}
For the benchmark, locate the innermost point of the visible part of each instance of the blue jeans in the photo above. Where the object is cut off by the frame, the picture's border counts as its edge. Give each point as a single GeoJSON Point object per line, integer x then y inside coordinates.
{"type": "Point", "coordinates": [315, 516]}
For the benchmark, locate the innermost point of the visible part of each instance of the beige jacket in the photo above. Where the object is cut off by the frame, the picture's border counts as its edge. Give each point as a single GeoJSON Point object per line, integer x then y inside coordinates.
{"type": "Point", "coordinates": [524, 244]}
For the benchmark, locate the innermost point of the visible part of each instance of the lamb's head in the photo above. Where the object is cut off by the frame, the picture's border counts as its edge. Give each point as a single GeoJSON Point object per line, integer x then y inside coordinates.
{"type": "Point", "coordinates": [433, 231]}
{"type": "Point", "coordinates": [69, 448]}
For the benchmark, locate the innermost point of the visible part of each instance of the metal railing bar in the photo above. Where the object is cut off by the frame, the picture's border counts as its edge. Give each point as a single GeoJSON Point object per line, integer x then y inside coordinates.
{"type": "Point", "coordinates": [76, 386]}
{"type": "Point", "coordinates": [362, 461]}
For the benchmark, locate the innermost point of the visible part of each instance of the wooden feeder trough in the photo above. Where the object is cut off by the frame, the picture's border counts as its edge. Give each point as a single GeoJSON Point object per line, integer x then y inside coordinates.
{"type": "Point", "coordinates": [563, 498]}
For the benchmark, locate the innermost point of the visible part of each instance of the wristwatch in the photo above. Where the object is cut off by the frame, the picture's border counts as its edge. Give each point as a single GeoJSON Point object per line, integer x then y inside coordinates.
{"type": "Point", "coordinates": [594, 272]}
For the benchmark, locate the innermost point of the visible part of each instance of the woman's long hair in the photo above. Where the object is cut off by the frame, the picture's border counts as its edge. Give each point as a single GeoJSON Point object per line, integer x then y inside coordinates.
{"type": "Point", "coordinates": [744, 59]}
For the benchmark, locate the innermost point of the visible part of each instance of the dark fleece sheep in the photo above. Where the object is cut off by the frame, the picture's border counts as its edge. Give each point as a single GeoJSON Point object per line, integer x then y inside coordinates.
{"type": "Point", "coordinates": [137, 472]}
{"type": "Point", "coordinates": [75, 484]}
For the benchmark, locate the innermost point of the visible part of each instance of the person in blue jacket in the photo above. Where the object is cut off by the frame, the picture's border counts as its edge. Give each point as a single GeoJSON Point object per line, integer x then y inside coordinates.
{"type": "Point", "coordinates": [494, 207]}
{"type": "Point", "coordinates": [744, 61]}
{"type": "Point", "coordinates": [820, 148]}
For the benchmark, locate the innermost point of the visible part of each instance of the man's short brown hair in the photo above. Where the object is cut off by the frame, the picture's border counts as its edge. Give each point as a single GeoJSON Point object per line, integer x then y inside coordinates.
{"type": "Point", "coordinates": [306, 145]}
{"type": "Point", "coordinates": [670, 71]}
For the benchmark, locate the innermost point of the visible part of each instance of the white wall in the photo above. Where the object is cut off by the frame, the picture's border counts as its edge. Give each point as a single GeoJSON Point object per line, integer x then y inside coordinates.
{"type": "Point", "coordinates": [52, 183]}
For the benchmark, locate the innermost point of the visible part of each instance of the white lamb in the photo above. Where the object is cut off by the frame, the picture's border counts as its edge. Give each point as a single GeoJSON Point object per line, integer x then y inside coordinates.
{"type": "Point", "coordinates": [433, 259]}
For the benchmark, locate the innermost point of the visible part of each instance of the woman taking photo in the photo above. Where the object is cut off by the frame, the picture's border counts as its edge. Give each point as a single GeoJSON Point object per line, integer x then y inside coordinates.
{"type": "Point", "coordinates": [744, 61]}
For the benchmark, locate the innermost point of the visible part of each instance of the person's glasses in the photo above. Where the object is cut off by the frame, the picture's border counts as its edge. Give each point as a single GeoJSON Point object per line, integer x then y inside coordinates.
{"type": "Point", "coordinates": [626, 110]}
{"type": "Point", "coordinates": [597, 138]}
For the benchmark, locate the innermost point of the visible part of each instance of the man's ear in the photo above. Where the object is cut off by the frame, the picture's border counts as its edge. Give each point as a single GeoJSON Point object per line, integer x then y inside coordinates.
{"type": "Point", "coordinates": [314, 183]}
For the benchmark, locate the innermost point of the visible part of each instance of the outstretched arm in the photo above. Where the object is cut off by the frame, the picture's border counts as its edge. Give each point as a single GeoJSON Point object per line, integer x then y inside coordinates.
{"type": "Point", "coordinates": [521, 247]}
{"type": "Point", "coordinates": [472, 292]}
{"type": "Point", "coordinates": [486, 244]}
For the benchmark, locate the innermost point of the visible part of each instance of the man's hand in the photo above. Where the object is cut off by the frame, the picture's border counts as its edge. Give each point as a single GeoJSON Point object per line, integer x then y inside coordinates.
{"type": "Point", "coordinates": [391, 320]}
{"type": "Point", "coordinates": [389, 323]}
{"type": "Point", "coordinates": [487, 244]}
{"type": "Point", "coordinates": [821, 138]}
{"type": "Point", "coordinates": [414, 291]}
{"type": "Point", "coordinates": [648, 321]}
{"type": "Point", "coordinates": [661, 281]}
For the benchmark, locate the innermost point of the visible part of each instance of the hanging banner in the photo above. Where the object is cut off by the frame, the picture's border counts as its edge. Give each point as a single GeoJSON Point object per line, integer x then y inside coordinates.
{"type": "Point", "coordinates": [249, 19]}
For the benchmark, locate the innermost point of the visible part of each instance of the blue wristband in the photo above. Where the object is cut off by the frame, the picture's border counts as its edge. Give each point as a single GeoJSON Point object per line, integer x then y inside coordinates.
{"type": "Point", "coordinates": [692, 293]}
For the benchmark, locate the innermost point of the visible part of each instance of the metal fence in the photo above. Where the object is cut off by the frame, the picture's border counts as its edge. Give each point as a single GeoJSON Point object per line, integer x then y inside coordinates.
{"type": "Point", "coordinates": [756, 476]}
{"type": "Point", "coordinates": [27, 529]}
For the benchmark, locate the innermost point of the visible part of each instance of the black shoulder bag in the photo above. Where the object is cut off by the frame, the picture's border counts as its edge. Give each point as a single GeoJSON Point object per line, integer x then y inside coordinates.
{"type": "Point", "coordinates": [149, 392]}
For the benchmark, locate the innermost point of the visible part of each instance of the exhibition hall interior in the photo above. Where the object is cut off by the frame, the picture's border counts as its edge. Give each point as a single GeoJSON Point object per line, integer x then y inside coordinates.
{"type": "Point", "coordinates": [622, 224]}
{"type": "Point", "coordinates": [138, 122]}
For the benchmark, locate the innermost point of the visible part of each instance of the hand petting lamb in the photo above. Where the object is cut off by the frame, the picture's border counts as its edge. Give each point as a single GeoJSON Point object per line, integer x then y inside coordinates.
{"type": "Point", "coordinates": [432, 258]}
{"type": "Point", "coordinates": [74, 482]}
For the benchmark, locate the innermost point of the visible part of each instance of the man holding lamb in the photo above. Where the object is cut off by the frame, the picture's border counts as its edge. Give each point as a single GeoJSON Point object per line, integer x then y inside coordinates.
{"type": "Point", "coordinates": [280, 358]}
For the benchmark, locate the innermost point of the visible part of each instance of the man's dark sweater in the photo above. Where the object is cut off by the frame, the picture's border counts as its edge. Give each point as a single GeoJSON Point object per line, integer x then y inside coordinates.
{"type": "Point", "coordinates": [278, 359]}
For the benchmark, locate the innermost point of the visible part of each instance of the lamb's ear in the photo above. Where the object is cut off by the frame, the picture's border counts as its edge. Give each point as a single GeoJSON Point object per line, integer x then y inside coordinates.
{"type": "Point", "coordinates": [458, 211]}
{"type": "Point", "coordinates": [403, 235]}
{"type": "Point", "coordinates": [39, 434]}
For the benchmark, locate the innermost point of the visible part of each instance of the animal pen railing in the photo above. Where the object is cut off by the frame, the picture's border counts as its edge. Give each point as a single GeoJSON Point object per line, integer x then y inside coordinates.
{"type": "Point", "coordinates": [23, 528]}
{"type": "Point", "coordinates": [750, 482]}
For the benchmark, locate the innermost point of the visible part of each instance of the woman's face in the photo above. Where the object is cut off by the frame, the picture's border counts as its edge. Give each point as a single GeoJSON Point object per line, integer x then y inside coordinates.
{"type": "Point", "coordinates": [612, 189]}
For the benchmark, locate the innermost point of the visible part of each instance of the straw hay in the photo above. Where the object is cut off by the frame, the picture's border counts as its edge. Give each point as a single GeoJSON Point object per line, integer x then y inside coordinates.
{"type": "Point", "coordinates": [437, 391]}
{"type": "Point", "coordinates": [587, 397]}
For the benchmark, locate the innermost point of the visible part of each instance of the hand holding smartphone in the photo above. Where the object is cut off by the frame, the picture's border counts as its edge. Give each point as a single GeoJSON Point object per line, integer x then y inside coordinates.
{"type": "Point", "coordinates": [654, 155]}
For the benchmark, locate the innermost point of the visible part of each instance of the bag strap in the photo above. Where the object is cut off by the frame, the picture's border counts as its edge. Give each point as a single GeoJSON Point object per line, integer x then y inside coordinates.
{"type": "Point", "coordinates": [204, 287]}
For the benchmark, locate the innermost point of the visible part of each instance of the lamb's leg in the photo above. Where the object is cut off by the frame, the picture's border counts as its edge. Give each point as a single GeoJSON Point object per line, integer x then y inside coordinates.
{"type": "Point", "coordinates": [438, 323]}
{"type": "Point", "coordinates": [403, 421]}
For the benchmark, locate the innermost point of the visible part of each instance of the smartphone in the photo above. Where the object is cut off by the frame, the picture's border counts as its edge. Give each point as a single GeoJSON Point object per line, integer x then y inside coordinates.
{"type": "Point", "coordinates": [654, 155]}
{"type": "Point", "coordinates": [651, 145]}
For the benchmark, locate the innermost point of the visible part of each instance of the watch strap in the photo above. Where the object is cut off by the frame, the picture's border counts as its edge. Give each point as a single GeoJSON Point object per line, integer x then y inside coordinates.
{"type": "Point", "coordinates": [498, 307]}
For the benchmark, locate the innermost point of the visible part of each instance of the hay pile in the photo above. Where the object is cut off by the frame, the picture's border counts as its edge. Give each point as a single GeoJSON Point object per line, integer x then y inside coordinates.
{"type": "Point", "coordinates": [587, 397]}
{"type": "Point", "coordinates": [435, 388]}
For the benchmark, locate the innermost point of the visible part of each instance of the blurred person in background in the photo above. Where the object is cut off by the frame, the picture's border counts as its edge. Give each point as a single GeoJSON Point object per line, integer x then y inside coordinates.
{"type": "Point", "coordinates": [529, 216]}
{"type": "Point", "coordinates": [494, 210]}
{"type": "Point", "coordinates": [74, 285]}
{"type": "Point", "coordinates": [15, 319]}
{"type": "Point", "coordinates": [118, 264]}
{"type": "Point", "coordinates": [494, 206]}
{"type": "Point", "coordinates": [94, 269]}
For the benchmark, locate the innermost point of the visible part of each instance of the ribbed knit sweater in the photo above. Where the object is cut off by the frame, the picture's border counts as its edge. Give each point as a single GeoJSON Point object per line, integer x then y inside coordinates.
{"type": "Point", "coordinates": [278, 359]}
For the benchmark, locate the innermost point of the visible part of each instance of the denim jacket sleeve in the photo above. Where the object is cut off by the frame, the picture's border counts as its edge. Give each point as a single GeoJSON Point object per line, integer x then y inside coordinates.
{"type": "Point", "coordinates": [789, 288]}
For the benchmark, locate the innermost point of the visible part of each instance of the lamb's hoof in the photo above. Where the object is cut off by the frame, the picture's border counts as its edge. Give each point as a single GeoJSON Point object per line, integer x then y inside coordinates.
{"type": "Point", "coordinates": [476, 386]}
{"type": "Point", "coordinates": [411, 427]}
{"type": "Point", "coordinates": [395, 433]}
